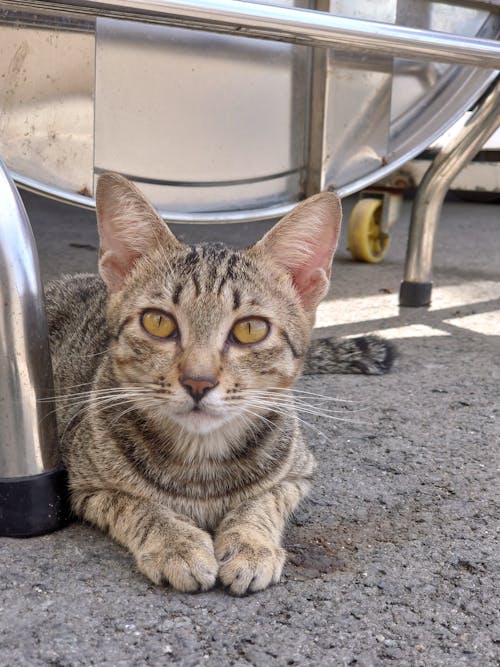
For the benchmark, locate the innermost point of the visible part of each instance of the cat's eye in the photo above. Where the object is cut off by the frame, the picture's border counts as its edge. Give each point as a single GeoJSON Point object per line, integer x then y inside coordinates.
{"type": "Point", "coordinates": [159, 324]}
{"type": "Point", "coordinates": [250, 330]}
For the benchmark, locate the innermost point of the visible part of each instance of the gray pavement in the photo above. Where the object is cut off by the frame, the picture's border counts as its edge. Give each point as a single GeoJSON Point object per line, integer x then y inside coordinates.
{"type": "Point", "coordinates": [393, 558]}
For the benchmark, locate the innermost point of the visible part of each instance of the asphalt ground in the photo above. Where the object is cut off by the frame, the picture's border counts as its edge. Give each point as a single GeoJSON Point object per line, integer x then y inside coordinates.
{"type": "Point", "coordinates": [393, 559]}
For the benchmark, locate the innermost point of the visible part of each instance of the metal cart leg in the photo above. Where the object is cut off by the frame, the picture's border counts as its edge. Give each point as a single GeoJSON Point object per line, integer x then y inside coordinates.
{"type": "Point", "coordinates": [32, 482]}
{"type": "Point", "coordinates": [416, 287]}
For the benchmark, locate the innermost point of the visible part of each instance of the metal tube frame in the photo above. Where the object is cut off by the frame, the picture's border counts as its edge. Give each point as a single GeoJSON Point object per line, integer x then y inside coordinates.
{"type": "Point", "coordinates": [32, 489]}
{"type": "Point", "coordinates": [298, 26]}
{"type": "Point", "coordinates": [28, 430]}
{"type": "Point", "coordinates": [416, 287]}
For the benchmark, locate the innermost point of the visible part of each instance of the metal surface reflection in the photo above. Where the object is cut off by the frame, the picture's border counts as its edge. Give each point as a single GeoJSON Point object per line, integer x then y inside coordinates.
{"type": "Point", "coordinates": [28, 440]}
{"type": "Point", "coordinates": [226, 127]}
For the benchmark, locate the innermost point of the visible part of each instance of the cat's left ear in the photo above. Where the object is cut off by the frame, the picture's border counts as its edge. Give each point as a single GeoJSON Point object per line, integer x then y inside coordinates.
{"type": "Point", "coordinates": [303, 244]}
{"type": "Point", "coordinates": [129, 228]}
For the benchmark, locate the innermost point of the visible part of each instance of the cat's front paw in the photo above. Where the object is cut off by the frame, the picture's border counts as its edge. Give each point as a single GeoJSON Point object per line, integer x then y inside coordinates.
{"type": "Point", "coordinates": [248, 561]}
{"type": "Point", "coordinates": [186, 561]}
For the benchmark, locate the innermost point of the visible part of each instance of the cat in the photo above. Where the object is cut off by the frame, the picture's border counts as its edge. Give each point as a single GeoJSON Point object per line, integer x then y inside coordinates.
{"type": "Point", "coordinates": [173, 371]}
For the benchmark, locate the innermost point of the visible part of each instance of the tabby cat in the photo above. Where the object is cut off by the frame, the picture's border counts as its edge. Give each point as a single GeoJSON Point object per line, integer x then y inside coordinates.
{"type": "Point", "coordinates": [173, 372]}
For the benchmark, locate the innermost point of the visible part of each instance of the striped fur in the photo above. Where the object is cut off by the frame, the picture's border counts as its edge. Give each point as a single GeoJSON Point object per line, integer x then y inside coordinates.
{"type": "Point", "coordinates": [195, 491]}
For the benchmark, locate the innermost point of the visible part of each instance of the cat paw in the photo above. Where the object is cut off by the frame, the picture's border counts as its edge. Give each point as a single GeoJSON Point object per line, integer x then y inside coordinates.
{"type": "Point", "coordinates": [248, 561]}
{"type": "Point", "coordinates": [185, 562]}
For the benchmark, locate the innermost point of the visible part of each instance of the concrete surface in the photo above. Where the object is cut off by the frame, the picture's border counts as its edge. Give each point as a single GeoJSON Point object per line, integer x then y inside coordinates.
{"type": "Point", "coordinates": [393, 559]}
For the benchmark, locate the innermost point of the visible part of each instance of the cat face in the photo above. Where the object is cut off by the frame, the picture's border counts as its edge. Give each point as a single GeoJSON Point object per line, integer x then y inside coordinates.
{"type": "Point", "coordinates": [208, 334]}
{"type": "Point", "coordinates": [210, 331]}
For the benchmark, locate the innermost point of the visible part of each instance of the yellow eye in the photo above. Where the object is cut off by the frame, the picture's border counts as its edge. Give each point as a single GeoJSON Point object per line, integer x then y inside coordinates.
{"type": "Point", "coordinates": [251, 330]}
{"type": "Point", "coordinates": [158, 324]}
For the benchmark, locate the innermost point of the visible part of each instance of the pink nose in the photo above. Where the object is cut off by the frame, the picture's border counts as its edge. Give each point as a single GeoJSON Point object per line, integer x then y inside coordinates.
{"type": "Point", "coordinates": [198, 387]}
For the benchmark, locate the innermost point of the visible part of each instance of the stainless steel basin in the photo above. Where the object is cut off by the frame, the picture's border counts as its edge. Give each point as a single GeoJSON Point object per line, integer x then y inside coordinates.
{"type": "Point", "coordinates": [218, 127]}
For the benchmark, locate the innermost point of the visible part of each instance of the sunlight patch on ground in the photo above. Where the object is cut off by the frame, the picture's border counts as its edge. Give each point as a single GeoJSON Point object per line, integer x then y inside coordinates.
{"type": "Point", "coordinates": [358, 309]}
{"type": "Point", "coordinates": [409, 331]}
{"type": "Point", "coordinates": [484, 323]}
{"type": "Point", "coordinates": [385, 306]}
{"type": "Point", "coordinates": [454, 296]}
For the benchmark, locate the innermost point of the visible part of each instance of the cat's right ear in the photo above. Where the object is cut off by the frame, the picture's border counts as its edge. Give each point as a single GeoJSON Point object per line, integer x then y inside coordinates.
{"type": "Point", "coordinates": [129, 228]}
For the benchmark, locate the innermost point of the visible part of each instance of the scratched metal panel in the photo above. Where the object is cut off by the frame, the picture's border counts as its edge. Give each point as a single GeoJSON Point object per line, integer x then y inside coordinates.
{"type": "Point", "coordinates": [46, 98]}
{"type": "Point", "coordinates": [427, 97]}
{"type": "Point", "coordinates": [219, 126]}
{"type": "Point", "coordinates": [381, 111]}
{"type": "Point", "coordinates": [204, 122]}
{"type": "Point", "coordinates": [358, 102]}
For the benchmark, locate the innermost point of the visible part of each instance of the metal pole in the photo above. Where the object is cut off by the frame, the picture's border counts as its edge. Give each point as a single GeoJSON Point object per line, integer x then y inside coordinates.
{"type": "Point", "coordinates": [32, 484]}
{"type": "Point", "coordinates": [416, 287]}
{"type": "Point", "coordinates": [299, 26]}
{"type": "Point", "coordinates": [315, 173]}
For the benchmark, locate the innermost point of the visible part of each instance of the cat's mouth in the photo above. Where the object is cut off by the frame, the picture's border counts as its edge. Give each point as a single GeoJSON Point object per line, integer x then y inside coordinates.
{"type": "Point", "coordinates": [200, 419]}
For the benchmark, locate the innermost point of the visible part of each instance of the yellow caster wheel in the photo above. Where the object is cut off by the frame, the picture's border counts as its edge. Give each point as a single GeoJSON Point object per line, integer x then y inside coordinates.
{"type": "Point", "coordinates": [367, 241]}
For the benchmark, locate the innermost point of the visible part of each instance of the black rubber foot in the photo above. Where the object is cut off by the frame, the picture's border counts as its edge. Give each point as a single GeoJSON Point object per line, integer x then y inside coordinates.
{"type": "Point", "coordinates": [34, 505]}
{"type": "Point", "coordinates": [415, 294]}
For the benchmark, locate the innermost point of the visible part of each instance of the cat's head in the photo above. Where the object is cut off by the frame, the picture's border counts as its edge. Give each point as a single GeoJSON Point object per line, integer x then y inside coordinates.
{"type": "Point", "coordinates": [208, 334]}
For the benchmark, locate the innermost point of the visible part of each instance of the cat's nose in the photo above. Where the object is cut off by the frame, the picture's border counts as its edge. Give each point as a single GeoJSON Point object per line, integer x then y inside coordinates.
{"type": "Point", "coordinates": [198, 387]}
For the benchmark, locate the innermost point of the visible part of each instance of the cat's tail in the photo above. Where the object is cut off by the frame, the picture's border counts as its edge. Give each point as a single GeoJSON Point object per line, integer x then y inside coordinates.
{"type": "Point", "coordinates": [370, 355]}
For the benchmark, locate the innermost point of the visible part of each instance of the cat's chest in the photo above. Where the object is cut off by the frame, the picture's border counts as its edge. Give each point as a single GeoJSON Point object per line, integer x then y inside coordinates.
{"type": "Point", "coordinates": [207, 494]}
{"type": "Point", "coordinates": [203, 487]}
{"type": "Point", "coordinates": [206, 513]}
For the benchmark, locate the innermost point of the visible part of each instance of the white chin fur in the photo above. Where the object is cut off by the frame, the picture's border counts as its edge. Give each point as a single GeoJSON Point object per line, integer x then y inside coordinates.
{"type": "Point", "coordinates": [200, 422]}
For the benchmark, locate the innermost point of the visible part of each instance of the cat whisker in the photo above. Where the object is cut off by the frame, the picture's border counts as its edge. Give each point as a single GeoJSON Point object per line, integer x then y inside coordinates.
{"type": "Point", "coordinates": [83, 411]}
{"type": "Point", "coordinates": [129, 395]}
{"type": "Point", "coordinates": [102, 404]}
{"type": "Point", "coordinates": [294, 390]}
{"type": "Point", "coordinates": [83, 404]}
{"type": "Point", "coordinates": [82, 400]}
{"type": "Point", "coordinates": [262, 418]}
{"type": "Point", "coordinates": [144, 402]}
{"type": "Point", "coordinates": [293, 401]}
{"type": "Point", "coordinates": [287, 414]}
{"type": "Point", "coordinates": [286, 408]}
{"type": "Point", "coordinates": [124, 412]}
{"type": "Point", "coordinates": [90, 393]}
{"type": "Point", "coordinates": [297, 402]}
